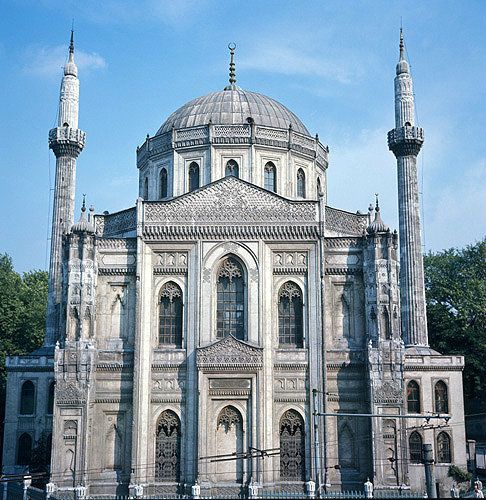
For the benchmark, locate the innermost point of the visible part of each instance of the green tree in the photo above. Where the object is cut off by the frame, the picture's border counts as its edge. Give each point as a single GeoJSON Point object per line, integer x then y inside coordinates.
{"type": "Point", "coordinates": [455, 283]}
{"type": "Point", "coordinates": [23, 302]}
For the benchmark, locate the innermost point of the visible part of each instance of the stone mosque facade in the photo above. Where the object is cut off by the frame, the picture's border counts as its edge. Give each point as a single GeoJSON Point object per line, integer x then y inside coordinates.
{"type": "Point", "coordinates": [231, 313]}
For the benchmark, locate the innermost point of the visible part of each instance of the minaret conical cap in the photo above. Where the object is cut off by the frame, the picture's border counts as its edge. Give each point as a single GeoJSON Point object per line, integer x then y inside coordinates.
{"type": "Point", "coordinates": [70, 68]}
{"type": "Point", "coordinates": [402, 66]}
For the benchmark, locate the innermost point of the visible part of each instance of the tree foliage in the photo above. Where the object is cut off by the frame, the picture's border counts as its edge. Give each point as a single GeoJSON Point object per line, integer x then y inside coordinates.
{"type": "Point", "coordinates": [23, 302]}
{"type": "Point", "coordinates": [455, 282]}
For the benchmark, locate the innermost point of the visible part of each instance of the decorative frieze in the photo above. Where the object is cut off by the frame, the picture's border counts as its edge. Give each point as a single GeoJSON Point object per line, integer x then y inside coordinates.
{"type": "Point", "coordinates": [229, 354]}
{"type": "Point", "coordinates": [116, 224]}
{"type": "Point", "coordinates": [345, 222]}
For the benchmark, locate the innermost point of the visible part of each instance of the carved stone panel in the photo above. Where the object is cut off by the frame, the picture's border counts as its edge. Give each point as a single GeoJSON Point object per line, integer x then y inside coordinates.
{"type": "Point", "coordinates": [229, 354]}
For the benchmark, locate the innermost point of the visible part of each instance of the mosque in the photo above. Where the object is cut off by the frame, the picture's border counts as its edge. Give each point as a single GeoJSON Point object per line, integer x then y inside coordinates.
{"type": "Point", "coordinates": [221, 335]}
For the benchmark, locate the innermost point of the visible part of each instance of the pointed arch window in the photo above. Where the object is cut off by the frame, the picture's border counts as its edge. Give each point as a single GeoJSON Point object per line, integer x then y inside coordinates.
{"type": "Point", "coordinates": [443, 448]}
{"type": "Point", "coordinates": [170, 315]}
{"type": "Point", "coordinates": [50, 398]}
{"type": "Point", "coordinates": [319, 186]}
{"type": "Point", "coordinates": [145, 189]}
{"type": "Point", "coordinates": [232, 168]}
{"type": "Point", "coordinates": [231, 299]}
{"type": "Point", "coordinates": [292, 447]}
{"type": "Point", "coordinates": [163, 184]}
{"type": "Point", "coordinates": [346, 447]}
{"type": "Point", "coordinates": [24, 449]}
{"type": "Point", "coordinates": [270, 174]}
{"type": "Point", "coordinates": [300, 183]}
{"type": "Point", "coordinates": [441, 397]}
{"type": "Point", "coordinates": [413, 397]}
{"type": "Point", "coordinates": [27, 398]}
{"type": "Point", "coordinates": [193, 176]}
{"type": "Point", "coordinates": [168, 447]}
{"type": "Point", "coordinates": [290, 316]}
{"type": "Point", "coordinates": [415, 448]}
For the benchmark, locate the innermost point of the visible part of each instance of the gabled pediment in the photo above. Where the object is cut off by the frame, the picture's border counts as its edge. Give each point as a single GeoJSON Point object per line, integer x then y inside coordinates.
{"type": "Point", "coordinates": [230, 200]}
{"type": "Point", "coordinates": [229, 354]}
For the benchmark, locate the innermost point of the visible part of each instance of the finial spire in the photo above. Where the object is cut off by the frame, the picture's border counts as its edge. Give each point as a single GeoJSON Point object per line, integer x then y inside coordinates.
{"type": "Point", "coordinates": [377, 206]}
{"type": "Point", "coordinates": [83, 208]}
{"type": "Point", "coordinates": [402, 46]}
{"type": "Point", "coordinates": [232, 68]}
{"type": "Point", "coordinates": [71, 43]}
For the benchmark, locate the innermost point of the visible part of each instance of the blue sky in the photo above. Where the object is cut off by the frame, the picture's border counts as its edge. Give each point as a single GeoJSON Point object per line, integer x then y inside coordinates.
{"type": "Point", "coordinates": [331, 62]}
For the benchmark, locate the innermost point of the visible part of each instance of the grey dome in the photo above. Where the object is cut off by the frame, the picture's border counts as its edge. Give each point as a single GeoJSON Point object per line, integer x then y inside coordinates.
{"type": "Point", "coordinates": [232, 107]}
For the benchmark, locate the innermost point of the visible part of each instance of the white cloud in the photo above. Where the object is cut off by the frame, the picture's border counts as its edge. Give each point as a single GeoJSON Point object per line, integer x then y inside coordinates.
{"type": "Point", "coordinates": [293, 60]}
{"type": "Point", "coordinates": [49, 61]}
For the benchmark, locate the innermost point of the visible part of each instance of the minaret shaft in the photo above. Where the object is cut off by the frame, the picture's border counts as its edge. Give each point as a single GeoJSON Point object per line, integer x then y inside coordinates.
{"type": "Point", "coordinates": [412, 289]}
{"type": "Point", "coordinates": [66, 141]}
{"type": "Point", "coordinates": [405, 140]}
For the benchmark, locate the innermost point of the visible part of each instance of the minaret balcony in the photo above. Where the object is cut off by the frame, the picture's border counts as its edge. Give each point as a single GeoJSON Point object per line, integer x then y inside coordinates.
{"type": "Point", "coordinates": [406, 141]}
{"type": "Point", "coordinates": [66, 140]}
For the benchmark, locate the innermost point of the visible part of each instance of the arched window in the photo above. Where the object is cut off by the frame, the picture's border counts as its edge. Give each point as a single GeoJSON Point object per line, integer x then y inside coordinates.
{"type": "Point", "coordinates": [346, 448]}
{"type": "Point", "coordinates": [270, 174]}
{"type": "Point", "coordinates": [385, 323]}
{"type": "Point", "coordinates": [145, 189]}
{"type": "Point", "coordinates": [232, 169]}
{"type": "Point", "coordinates": [441, 397]}
{"type": "Point", "coordinates": [231, 300]}
{"type": "Point", "coordinates": [292, 447]}
{"type": "Point", "coordinates": [229, 440]}
{"type": "Point", "coordinates": [24, 449]}
{"type": "Point", "coordinates": [27, 398]}
{"type": "Point", "coordinates": [319, 187]}
{"type": "Point", "coordinates": [413, 397]}
{"type": "Point", "coordinates": [193, 176]}
{"type": "Point", "coordinates": [415, 448]}
{"type": "Point", "coordinates": [443, 448]}
{"type": "Point", "coordinates": [50, 398]}
{"type": "Point", "coordinates": [163, 184]}
{"type": "Point", "coordinates": [300, 183]}
{"type": "Point", "coordinates": [170, 315]}
{"type": "Point", "coordinates": [168, 447]}
{"type": "Point", "coordinates": [290, 317]}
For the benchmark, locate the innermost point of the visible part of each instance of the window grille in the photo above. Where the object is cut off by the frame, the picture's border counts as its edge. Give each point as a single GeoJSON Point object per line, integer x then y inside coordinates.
{"type": "Point", "coordinates": [168, 447]}
{"type": "Point", "coordinates": [300, 183]}
{"type": "Point", "coordinates": [270, 177]}
{"type": "Point", "coordinates": [24, 449]}
{"type": "Point", "coordinates": [232, 168]}
{"type": "Point", "coordinates": [163, 184]}
{"type": "Point", "coordinates": [443, 448]}
{"type": "Point", "coordinates": [228, 418]}
{"type": "Point", "coordinates": [415, 448]}
{"type": "Point", "coordinates": [193, 176]}
{"type": "Point", "coordinates": [292, 447]}
{"type": "Point", "coordinates": [441, 397]}
{"type": "Point", "coordinates": [231, 300]}
{"type": "Point", "coordinates": [290, 317]}
{"type": "Point", "coordinates": [413, 397]}
{"type": "Point", "coordinates": [170, 315]}
{"type": "Point", "coordinates": [27, 398]}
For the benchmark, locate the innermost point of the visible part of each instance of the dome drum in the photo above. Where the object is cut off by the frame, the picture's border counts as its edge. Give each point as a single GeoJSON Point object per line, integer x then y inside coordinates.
{"type": "Point", "coordinates": [244, 134]}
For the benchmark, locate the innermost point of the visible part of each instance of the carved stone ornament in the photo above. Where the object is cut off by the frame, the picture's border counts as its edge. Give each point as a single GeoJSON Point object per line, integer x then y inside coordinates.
{"type": "Point", "coordinates": [229, 269]}
{"type": "Point", "coordinates": [170, 290]}
{"type": "Point", "coordinates": [69, 393]}
{"type": "Point", "coordinates": [230, 200]}
{"type": "Point", "coordinates": [229, 354]}
{"type": "Point", "coordinates": [289, 290]}
{"type": "Point", "coordinates": [228, 418]}
{"type": "Point", "coordinates": [388, 393]}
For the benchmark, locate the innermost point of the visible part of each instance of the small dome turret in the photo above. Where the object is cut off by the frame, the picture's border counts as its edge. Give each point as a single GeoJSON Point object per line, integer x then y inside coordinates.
{"type": "Point", "coordinates": [84, 225]}
{"type": "Point", "coordinates": [377, 226]}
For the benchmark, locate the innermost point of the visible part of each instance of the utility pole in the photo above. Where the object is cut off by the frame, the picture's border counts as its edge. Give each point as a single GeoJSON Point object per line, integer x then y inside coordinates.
{"type": "Point", "coordinates": [429, 471]}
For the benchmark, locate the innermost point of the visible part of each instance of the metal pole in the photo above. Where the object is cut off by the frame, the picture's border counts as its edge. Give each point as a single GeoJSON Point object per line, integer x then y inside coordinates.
{"type": "Point", "coordinates": [316, 444]}
{"type": "Point", "coordinates": [429, 471]}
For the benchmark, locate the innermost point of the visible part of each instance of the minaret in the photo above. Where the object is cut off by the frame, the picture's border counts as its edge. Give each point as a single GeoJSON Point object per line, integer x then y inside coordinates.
{"type": "Point", "coordinates": [405, 140]}
{"type": "Point", "coordinates": [66, 141]}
